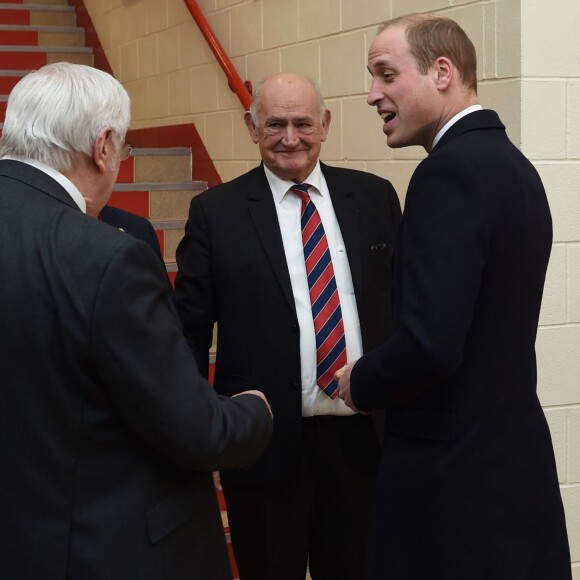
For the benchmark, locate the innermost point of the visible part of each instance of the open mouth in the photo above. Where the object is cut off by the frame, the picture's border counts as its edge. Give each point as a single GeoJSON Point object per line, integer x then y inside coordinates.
{"type": "Point", "coordinates": [386, 117]}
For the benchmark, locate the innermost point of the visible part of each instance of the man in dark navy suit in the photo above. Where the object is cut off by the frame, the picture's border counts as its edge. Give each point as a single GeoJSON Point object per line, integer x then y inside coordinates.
{"type": "Point", "coordinates": [468, 486]}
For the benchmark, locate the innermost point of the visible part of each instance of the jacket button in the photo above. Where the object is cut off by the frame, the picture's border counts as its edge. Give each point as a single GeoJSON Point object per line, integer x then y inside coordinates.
{"type": "Point", "coordinates": [295, 328]}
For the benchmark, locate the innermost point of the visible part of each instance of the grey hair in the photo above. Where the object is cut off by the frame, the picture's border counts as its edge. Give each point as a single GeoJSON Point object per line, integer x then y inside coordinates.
{"type": "Point", "coordinates": [56, 113]}
{"type": "Point", "coordinates": [255, 104]}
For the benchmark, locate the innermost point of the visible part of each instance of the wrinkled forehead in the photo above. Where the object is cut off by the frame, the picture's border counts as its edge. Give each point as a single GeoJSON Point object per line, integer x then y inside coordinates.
{"type": "Point", "coordinates": [289, 102]}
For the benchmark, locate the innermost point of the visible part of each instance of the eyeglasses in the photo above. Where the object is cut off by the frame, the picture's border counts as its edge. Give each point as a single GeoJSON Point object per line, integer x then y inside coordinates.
{"type": "Point", "coordinates": [126, 151]}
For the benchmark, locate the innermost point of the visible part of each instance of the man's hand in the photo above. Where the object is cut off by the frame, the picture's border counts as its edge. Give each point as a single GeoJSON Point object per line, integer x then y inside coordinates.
{"type": "Point", "coordinates": [343, 377]}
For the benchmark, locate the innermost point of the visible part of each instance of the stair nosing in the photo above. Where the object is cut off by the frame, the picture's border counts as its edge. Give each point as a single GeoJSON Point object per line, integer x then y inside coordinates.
{"type": "Point", "coordinates": [51, 49]}
{"type": "Point", "coordinates": [41, 28]}
{"type": "Point", "coordinates": [14, 73]}
{"type": "Point", "coordinates": [156, 186]}
{"type": "Point", "coordinates": [41, 7]}
{"type": "Point", "coordinates": [158, 151]}
{"type": "Point", "coordinates": [168, 224]}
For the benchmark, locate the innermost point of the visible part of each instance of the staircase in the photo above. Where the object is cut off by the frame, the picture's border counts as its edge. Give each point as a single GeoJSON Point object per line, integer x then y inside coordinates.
{"type": "Point", "coordinates": [154, 183]}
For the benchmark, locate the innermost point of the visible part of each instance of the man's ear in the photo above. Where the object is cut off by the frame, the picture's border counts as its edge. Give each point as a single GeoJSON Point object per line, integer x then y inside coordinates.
{"type": "Point", "coordinates": [325, 124]}
{"type": "Point", "coordinates": [444, 71]}
{"type": "Point", "coordinates": [103, 150]}
{"type": "Point", "coordinates": [252, 129]}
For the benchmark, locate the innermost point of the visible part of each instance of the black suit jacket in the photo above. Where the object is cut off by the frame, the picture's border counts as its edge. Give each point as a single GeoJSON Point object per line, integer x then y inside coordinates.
{"type": "Point", "coordinates": [108, 431]}
{"type": "Point", "coordinates": [232, 269]}
{"type": "Point", "coordinates": [468, 484]}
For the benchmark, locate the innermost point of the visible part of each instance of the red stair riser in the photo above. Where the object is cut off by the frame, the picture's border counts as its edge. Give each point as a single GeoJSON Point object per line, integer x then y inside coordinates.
{"type": "Point", "coordinates": [14, 16]}
{"type": "Point", "coordinates": [161, 239]}
{"type": "Point", "coordinates": [19, 38]}
{"type": "Point", "coordinates": [11, 1]}
{"type": "Point", "coordinates": [22, 60]}
{"type": "Point", "coordinates": [7, 84]}
{"type": "Point", "coordinates": [133, 201]}
{"type": "Point", "coordinates": [127, 171]}
{"type": "Point", "coordinates": [2, 110]}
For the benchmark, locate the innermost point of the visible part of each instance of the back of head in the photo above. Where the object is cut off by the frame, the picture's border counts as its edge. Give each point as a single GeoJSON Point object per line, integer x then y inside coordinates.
{"type": "Point", "coordinates": [430, 36]}
{"type": "Point", "coordinates": [55, 114]}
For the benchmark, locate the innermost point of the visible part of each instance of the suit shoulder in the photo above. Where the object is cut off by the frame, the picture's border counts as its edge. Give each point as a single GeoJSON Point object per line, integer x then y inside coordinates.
{"type": "Point", "coordinates": [121, 218]}
{"type": "Point", "coordinates": [356, 176]}
{"type": "Point", "coordinates": [229, 190]}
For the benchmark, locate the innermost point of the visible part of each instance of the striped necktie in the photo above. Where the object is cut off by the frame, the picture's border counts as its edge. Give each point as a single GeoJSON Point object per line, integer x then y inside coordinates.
{"type": "Point", "coordinates": [326, 312]}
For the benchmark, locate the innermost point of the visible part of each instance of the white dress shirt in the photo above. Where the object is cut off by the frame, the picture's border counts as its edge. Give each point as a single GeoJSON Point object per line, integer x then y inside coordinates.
{"type": "Point", "coordinates": [454, 120]}
{"type": "Point", "coordinates": [70, 187]}
{"type": "Point", "coordinates": [288, 204]}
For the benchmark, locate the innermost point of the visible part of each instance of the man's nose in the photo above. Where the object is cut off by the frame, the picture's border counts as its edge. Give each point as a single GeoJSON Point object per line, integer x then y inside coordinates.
{"type": "Point", "coordinates": [375, 95]}
{"type": "Point", "coordinates": [290, 136]}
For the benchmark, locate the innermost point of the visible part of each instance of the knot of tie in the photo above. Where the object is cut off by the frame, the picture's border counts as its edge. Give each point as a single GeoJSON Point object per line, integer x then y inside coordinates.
{"type": "Point", "coordinates": [301, 189]}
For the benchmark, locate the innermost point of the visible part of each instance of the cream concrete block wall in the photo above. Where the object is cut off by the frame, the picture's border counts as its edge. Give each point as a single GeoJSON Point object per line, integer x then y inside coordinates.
{"type": "Point", "coordinates": [528, 70]}
{"type": "Point", "coordinates": [573, 286]}
{"type": "Point", "coordinates": [554, 303]}
{"type": "Point", "coordinates": [550, 99]}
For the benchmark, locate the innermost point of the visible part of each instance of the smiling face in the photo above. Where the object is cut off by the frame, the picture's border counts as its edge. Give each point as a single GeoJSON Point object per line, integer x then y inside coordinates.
{"type": "Point", "coordinates": [290, 130]}
{"type": "Point", "coordinates": [407, 101]}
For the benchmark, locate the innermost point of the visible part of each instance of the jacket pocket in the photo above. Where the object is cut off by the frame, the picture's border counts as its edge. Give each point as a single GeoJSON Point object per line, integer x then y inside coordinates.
{"type": "Point", "coordinates": [179, 506]}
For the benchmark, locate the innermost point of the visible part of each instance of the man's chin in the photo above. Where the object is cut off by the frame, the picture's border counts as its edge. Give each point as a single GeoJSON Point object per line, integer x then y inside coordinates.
{"type": "Point", "coordinates": [394, 143]}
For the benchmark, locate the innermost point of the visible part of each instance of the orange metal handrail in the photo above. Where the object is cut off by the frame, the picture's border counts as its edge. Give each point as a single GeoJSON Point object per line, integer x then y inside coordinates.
{"type": "Point", "coordinates": [234, 79]}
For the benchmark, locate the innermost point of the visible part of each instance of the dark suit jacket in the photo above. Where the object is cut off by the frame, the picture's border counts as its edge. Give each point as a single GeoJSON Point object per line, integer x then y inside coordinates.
{"type": "Point", "coordinates": [232, 269]}
{"type": "Point", "coordinates": [468, 484]}
{"type": "Point", "coordinates": [108, 431]}
{"type": "Point", "coordinates": [139, 227]}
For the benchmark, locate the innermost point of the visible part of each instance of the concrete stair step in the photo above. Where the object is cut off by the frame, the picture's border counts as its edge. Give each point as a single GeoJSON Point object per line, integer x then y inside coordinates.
{"type": "Point", "coordinates": [36, 2]}
{"type": "Point", "coordinates": [156, 183]}
{"type": "Point", "coordinates": [33, 57]}
{"type": "Point", "coordinates": [37, 14]}
{"type": "Point", "coordinates": [53, 36]}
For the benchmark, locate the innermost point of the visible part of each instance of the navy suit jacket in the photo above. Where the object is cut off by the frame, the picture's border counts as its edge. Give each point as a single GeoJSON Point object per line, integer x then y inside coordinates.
{"type": "Point", "coordinates": [468, 484]}
{"type": "Point", "coordinates": [232, 270]}
{"type": "Point", "coordinates": [139, 227]}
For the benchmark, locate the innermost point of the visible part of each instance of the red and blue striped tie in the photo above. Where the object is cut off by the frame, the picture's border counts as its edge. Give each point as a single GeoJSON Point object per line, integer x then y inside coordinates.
{"type": "Point", "coordinates": [326, 312]}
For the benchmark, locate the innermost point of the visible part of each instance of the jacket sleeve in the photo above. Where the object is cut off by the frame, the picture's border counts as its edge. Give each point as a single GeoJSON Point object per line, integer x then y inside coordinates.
{"type": "Point", "coordinates": [147, 368]}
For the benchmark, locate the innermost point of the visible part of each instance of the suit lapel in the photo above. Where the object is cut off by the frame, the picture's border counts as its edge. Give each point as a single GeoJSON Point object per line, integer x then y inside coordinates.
{"type": "Point", "coordinates": [344, 201]}
{"type": "Point", "coordinates": [263, 214]}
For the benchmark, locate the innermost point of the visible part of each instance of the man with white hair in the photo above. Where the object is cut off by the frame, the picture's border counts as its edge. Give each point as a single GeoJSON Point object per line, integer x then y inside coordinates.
{"type": "Point", "coordinates": [109, 434]}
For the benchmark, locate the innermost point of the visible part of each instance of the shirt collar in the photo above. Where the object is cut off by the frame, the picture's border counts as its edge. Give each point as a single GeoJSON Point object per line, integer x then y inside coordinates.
{"type": "Point", "coordinates": [454, 120]}
{"type": "Point", "coordinates": [68, 185]}
{"type": "Point", "coordinates": [280, 186]}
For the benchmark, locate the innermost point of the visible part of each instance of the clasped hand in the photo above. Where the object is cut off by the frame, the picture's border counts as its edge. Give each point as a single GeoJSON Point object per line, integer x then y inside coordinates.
{"type": "Point", "coordinates": [343, 377]}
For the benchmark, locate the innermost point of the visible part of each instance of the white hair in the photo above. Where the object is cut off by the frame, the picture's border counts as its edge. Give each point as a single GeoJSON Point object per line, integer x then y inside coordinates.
{"type": "Point", "coordinates": [56, 113]}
